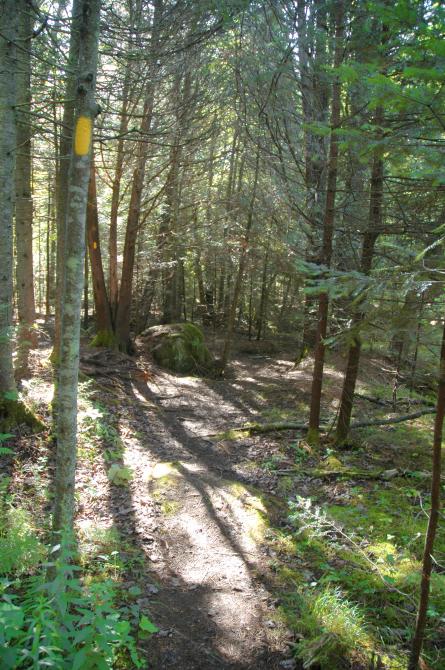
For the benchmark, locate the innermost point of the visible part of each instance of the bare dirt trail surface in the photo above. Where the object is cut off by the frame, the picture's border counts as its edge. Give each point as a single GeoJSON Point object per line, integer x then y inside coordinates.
{"type": "Point", "coordinates": [205, 574]}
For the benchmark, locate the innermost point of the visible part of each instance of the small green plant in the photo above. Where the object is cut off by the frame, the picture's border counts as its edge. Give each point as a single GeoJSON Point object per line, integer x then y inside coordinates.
{"type": "Point", "coordinates": [63, 623]}
{"type": "Point", "coordinates": [5, 451]}
{"type": "Point", "coordinates": [333, 629]}
{"type": "Point", "coordinates": [20, 548]}
{"type": "Point", "coordinates": [120, 475]}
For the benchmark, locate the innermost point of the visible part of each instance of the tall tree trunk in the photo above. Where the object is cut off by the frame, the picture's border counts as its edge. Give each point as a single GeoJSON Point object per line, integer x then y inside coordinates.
{"type": "Point", "coordinates": [104, 328]}
{"type": "Point", "coordinates": [433, 521]}
{"type": "Point", "coordinates": [115, 197]}
{"type": "Point", "coordinates": [77, 195]}
{"type": "Point", "coordinates": [369, 240]}
{"type": "Point", "coordinates": [66, 139]}
{"type": "Point", "coordinates": [8, 69]}
{"type": "Point", "coordinates": [23, 204]}
{"type": "Point", "coordinates": [239, 277]}
{"type": "Point", "coordinates": [328, 232]}
{"type": "Point", "coordinates": [122, 322]}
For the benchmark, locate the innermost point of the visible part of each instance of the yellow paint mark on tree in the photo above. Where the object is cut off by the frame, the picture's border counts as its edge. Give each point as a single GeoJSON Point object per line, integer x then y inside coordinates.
{"type": "Point", "coordinates": [94, 245]}
{"type": "Point", "coordinates": [82, 138]}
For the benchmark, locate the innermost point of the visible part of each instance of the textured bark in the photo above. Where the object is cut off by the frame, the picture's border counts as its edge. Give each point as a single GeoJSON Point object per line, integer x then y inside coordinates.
{"type": "Point", "coordinates": [8, 37]}
{"type": "Point", "coordinates": [115, 197]}
{"type": "Point", "coordinates": [311, 26]}
{"type": "Point", "coordinates": [328, 231]}
{"type": "Point", "coordinates": [23, 204]}
{"type": "Point", "coordinates": [101, 304]}
{"type": "Point", "coordinates": [369, 241]}
{"type": "Point", "coordinates": [239, 277]}
{"type": "Point", "coordinates": [427, 563]}
{"type": "Point", "coordinates": [122, 322]}
{"type": "Point", "coordinates": [65, 143]}
{"type": "Point", "coordinates": [77, 193]}
{"type": "Point", "coordinates": [173, 286]}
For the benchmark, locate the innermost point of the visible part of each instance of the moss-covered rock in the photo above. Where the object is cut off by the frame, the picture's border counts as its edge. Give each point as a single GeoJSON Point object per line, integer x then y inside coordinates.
{"type": "Point", "coordinates": [14, 413]}
{"type": "Point", "coordinates": [179, 347]}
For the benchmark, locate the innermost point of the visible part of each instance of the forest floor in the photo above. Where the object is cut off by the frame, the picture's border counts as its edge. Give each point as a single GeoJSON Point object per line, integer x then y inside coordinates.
{"type": "Point", "coordinates": [239, 564]}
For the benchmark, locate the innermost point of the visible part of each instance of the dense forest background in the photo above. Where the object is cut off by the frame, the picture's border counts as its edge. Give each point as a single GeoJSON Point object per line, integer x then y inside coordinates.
{"type": "Point", "coordinates": [193, 186]}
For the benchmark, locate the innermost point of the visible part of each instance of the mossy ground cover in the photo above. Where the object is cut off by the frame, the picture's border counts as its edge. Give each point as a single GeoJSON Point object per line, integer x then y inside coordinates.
{"type": "Point", "coordinates": [348, 560]}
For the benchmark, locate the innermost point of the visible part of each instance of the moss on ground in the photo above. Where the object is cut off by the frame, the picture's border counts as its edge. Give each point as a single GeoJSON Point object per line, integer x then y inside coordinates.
{"type": "Point", "coordinates": [179, 347]}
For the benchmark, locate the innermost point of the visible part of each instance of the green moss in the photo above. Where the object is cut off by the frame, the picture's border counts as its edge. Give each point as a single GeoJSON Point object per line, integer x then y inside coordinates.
{"type": "Point", "coordinates": [15, 412]}
{"type": "Point", "coordinates": [104, 338]}
{"type": "Point", "coordinates": [179, 347]}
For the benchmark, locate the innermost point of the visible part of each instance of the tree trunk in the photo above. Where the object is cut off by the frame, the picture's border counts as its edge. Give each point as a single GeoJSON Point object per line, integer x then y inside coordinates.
{"type": "Point", "coordinates": [66, 139]}
{"type": "Point", "coordinates": [370, 238]}
{"type": "Point", "coordinates": [23, 204]}
{"type": "Point", "coordinates": [433, 521]}
{"type": "Point", "coordinates": [328, 231]}
{"type": "Point", "coordinates": [122, 322]}
{"type": "Point", "coordinates": [115, 197]}
{"type": "Point", "coordinates": [239, 277]}
{"type": "Point", "coordinates": [77, 195]}
{"type": "Point", "coordinates": [104, 329]}
{"type": "Point", "coordinates": [8, 69]}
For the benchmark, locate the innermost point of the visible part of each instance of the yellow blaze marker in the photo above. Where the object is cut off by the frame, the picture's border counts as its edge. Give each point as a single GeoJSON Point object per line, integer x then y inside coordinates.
{"type": "Point", "coordinates": [82, 138]}
{"type": "Point", "coordinates": [94, 245]}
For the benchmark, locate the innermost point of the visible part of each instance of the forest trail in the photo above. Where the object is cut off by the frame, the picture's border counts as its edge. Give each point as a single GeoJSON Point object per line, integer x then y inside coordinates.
{"type": "Point", "coordinates": [195, 516]}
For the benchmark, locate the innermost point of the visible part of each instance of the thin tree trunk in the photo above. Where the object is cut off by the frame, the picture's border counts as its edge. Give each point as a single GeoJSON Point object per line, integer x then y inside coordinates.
{"type": "Point", "coordinates": [104, 329]}
{"type": "Point", "coordinates": [8, 69]}
{"type": "Point", "coordinates": [115, 197]}
{"type": "Point", "coordinates": [328, 232]}
{"type": "Point", "coordinates": [66, 139]}
{"type": "Point", "coordinates": [433, 521]}
{"type": "Point", "coordinates": [239, 277]}
{"type": "Point", "coordinates": [77, 196]}
{"type": "Point", "coordinates": [122, 322]}
{"type": "Point", "coordinates": [370, 238]}
{"type": "Point", "coordinates": [23, 205]}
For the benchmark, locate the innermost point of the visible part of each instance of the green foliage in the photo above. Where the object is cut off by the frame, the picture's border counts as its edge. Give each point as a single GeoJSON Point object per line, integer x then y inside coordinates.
{"type": "Point", "coordinates": [333, 629]}
{"type": "Point", "coordinates": [104, 338]}
{"type": "Point", "coordinates": [179, 347]}
{"type": "Point", "coordinates": [120, 475]}
{"type": "Point", "coordinates": [20, 548]}
{"type": "Point", "coordinates": [62, 625]}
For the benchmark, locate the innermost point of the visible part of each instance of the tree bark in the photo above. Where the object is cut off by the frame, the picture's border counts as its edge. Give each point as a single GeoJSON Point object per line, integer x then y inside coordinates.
{"type": "Point", "coordinates": [122, 322]}
{"type": "Point", "coordinates": [369, 241]}
{"type": "Point", "coordinates": [328, 231]}
{"type": "Point", "coordinates": [239, 277]}
{"type": "Point", "coordinates": [66, 138]}
{"type": "Point", "coordinates": [104, 327]}
{"type": "Point", "coordinates": [8, 69]}
{"type": "Point", "coordinates": [85, 110]}
{"type": "Point", "coordinates": [427, 563]}
{"type": "Point", "coordinates": [115, 197]}
{"type": "Point", "coordinates": [23, 205]}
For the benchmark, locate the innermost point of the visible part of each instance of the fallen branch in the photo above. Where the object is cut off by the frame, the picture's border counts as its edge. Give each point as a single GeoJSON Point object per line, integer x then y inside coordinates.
{"type": "Point", "coordinates": [289, 425]}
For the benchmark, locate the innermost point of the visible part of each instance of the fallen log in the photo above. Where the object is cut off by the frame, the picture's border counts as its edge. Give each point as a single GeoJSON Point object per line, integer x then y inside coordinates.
{"type": "Point", "coordinates": [258, 428]}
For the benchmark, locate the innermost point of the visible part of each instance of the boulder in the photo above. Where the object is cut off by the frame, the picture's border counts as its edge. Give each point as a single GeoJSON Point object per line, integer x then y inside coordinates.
{"type": "Point", "coordinates": [179, 347]}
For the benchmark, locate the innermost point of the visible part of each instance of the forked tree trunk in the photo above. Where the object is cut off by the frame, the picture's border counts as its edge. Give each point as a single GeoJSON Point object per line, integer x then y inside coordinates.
{"type": "Point", "coordinates": [104, 328]}
{"type": "Point", "coordinates": [427, 562]}
{"type": "Point", "coordinates": [77, 195]}
{"type": "Point", "coordinates": [8, 69]}
{"type": "Point", "coordinates": [23, 204]}
{"type": "Point", "coordinates": [115, 197]}
{"type": "Point", "coordinates": [122, 322]}
{"type": "Point", "coordinates": [370, 238]}
{"type": "Point", "coordinates": [328, 232]}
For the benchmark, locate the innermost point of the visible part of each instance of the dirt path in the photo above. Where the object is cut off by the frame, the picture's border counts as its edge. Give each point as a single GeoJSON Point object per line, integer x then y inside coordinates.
{"type": "Point", "coordinates": [212, 598]}
{"type": "Point", "coordinates": [197, 510]}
